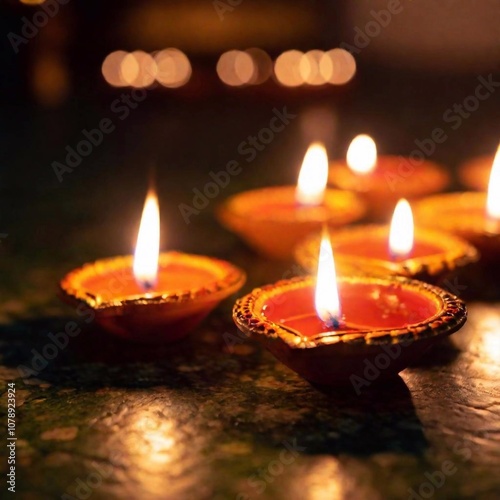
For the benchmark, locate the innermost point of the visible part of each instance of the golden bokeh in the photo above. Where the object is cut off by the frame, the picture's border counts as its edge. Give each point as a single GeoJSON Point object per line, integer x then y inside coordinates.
{"type": "Point", "coordinates": [337, 66]}
{"type": "Point", "coordinates": [173, 68]}
{"type": "Point", "coordinates": [287, 68]}
{"type": "Point", "coordinates": [236, 68]}
{"type": "Point", "coordinates": [111, 68]}
{"type": "Point", "coordinates": [309, 67]}
{"type": "Point", "coordinates": [263, 65]}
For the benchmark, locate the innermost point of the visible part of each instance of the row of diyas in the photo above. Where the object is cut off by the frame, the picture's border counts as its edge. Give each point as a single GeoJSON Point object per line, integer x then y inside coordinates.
{"type": "Point", "coordinates": [155, 297]}
{"type": "Point", "coordinates": [329, 335]}
{"type": "Point", "coordinates": [273, 220]}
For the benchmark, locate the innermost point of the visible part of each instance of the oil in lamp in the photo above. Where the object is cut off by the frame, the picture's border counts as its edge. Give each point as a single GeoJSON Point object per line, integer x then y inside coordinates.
{"type": "Point", "coordinates": [328, 335]}
{"type": "Point", "coordinates": [151, 297]}
{"type": "Point", "coordinates": [396, 249]}
{"type": "Point", "coordinates": [273, 220]}
{"type": "Point", "coordinates": [382, 179]}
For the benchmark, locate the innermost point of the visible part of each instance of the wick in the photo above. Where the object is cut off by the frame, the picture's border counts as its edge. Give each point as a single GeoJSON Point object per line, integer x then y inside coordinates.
{"type": "Point", "coordinates": [334, 322]}
{"type": "Point", "coordinates": [147, 285]}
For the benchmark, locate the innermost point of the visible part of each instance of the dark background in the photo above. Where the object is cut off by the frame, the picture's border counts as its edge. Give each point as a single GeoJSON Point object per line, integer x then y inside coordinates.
{"type": "Point", "coordinates": [427, 59]}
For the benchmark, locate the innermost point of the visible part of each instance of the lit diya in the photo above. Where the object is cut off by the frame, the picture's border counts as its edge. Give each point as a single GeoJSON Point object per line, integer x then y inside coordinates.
{"type": "Point", "coordinates": [398, 249]}
{"type": "Point", "coordinates": [273, 220]}
{"type": "Point", "coordinates": [473, 216]}
{"type": "Point", "coordinates": [475, 173]}
{"type": "Point", "coordinates": [329, 331]}
{"type": "Point", "coordinates": [152, 296]}
{"type": "Point", "coordinates": [383, 179]}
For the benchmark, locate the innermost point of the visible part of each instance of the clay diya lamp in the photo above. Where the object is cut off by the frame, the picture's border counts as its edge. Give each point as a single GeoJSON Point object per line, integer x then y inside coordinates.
{"type": "Point", "coordinates": [273, 220]}
{"type": "Point", "coordinates": [368, 329]}
{"type": "Point", "coordinates": [151, 297]}
{"type": "Point", "coordinates": [473, 216]}
{"type": "Point", "coordinates": [475, 173]}
{"type": "Point", "coordinates": [383, 179]}
{"type": "Point", "coordinates": [399, 249]}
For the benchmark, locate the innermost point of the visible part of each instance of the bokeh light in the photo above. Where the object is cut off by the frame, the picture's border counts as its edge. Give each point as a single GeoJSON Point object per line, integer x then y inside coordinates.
{"type": "Point", "coordinates": [263, 65]}
{"type": "Point", "coordinates": [309, 67]}
{"type": "Point", "coordinates": [337, 66]}
{"type": "Point", "coordinates": [139, 69]}
{"type": "Point", "coordinates": [236, 68]}
{"type": "Point", "coordinates": [111, 68]}
{"type": "Point", "coordinates": [173, 68]}
{"type": "Point", "coordinates": [287, 68]}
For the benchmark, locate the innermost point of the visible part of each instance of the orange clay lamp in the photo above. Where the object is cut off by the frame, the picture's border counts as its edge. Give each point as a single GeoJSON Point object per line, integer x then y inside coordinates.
{"type": "Point", "coordinates": [425, 254]}
{"type": "Point", "coordinates": [473, 216]}
{"type": "Point", "coordinates": [475, 173]}
{"type": "Point", "coordinates": [273, 220]}
{"type": "Point", "coordinates": [328, 329]}
{"type": "Point", "coordinates": [152, 297]}
{"type": "Point", "coordinates": [383, 179]}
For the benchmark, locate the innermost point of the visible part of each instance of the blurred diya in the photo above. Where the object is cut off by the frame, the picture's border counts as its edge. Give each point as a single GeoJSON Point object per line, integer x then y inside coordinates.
{"type": "Point", "coordinates": [398, 249]}
{"type": "Point", "coordinates": [475, 173]}
{"type": "Point", "coordinates": [473, 216]}
{"type": "Point", "coordinates": [273, 220]}
{"type": "Point", "coordinates": [383, 179]}
{"type": "Point", "coordinates": [333, 331]}
{"type": "Point", "coordinates": [151, 297]}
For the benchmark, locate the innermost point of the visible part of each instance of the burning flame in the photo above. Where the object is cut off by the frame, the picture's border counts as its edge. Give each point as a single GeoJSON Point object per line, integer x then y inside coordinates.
{"type": "Point", "coordinates": [362, 154]}
{"type": "Point", "coordinates": [327, 300]}
{"type": "Point", "coordinates": [493, 199]}
{"type": "Point", "coordinates": [402, 230]}
{"type": "Point", "coordinates": [313, 176]}
{"type": "Point", "coordinates": [147, 249]}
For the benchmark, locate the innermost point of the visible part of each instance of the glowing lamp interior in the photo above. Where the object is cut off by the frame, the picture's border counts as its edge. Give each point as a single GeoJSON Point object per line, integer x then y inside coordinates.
{"type": "Point", "coordinates": [401, 235]}
{"type": "Point", "coordinates": [147, 249]}
{"type": "Point", "coordinates": [326, 299]}
{"type": "Point", "coordinates": [493, 199]}
{"type": "Point", "coordinates": [313, 176]}
{"type": "Point", "coordinates": [362, 154]}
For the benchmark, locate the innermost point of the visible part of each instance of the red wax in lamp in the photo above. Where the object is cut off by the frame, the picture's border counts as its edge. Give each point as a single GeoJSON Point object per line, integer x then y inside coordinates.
{"type": "Point", "coordinates": [151, 297]}
{"type": "Point", "coordinates": [379, 316]}
{"type": "Point", "coordinates": [383, 179]}
{"type": "Point", "coordinates": [327, 330]}
{"type": "Point", "coordinates": [375, 249]}
{"type": "Point", "coordinates": [375, 246]}
{"type": "Point", "coordinates": [365, 306]}
{"type": "Point", "coordinates": [273, 220]}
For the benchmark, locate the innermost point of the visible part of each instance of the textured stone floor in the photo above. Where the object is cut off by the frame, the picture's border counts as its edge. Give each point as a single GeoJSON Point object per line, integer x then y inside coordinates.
{"type": "Point", "coordinates": [205, 418]}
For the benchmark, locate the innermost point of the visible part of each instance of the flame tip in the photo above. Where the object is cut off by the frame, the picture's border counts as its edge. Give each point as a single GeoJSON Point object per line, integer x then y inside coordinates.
{"type": "Point", "coordinates": [313, 176]}
{"type": "Point", "coordinates": [362, 154]}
